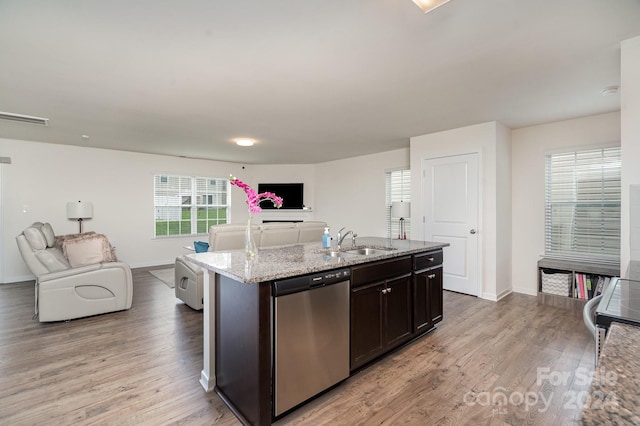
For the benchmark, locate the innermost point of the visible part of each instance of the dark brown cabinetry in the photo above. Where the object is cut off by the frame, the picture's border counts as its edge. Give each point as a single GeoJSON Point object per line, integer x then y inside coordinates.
{"type": "Point", "coordinates": [397, 301]}
{"type": "Point", "coordinates": [427, 299]}
{"type": "Point", "coordinates": [427, 296]}
{"type": "Point", "coordinates": [393, 301]}
{"type": "Point", "coordinates": [381, 298]}
{"type": "Point", "coordinates": [367, 323]}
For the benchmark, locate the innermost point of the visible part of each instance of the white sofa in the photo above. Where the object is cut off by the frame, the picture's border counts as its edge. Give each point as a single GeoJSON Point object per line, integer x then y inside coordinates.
{"type": "Point", "coordinates": [76, 275]}
{"type": "Point", "coordinates": [189, 278]}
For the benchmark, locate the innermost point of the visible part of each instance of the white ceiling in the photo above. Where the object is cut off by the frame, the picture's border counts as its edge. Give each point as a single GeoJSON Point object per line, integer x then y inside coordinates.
{"type": "Point", "coordinates": [311, 81]}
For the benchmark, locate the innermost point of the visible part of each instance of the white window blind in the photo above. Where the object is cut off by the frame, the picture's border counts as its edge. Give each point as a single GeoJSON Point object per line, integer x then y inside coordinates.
{"type": "Point", "coordinates": [187, 205]}
{"type": "Point", "coordinates": [398, 188]}
{"type": "Point", "coordinates": [582, 205]}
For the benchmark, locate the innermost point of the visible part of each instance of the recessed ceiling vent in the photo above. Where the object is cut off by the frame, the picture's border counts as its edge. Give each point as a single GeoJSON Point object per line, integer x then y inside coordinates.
{"type": "Point", "coordinates": [24, 118]}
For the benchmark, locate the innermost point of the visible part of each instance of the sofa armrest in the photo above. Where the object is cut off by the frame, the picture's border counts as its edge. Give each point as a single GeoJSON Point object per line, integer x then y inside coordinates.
{"type": "Point", "coordinates": [189, 282]}
{"type": "Point", "coordinates": [84, 291]}
{"type": "Point", "coordinates": [82, 270]}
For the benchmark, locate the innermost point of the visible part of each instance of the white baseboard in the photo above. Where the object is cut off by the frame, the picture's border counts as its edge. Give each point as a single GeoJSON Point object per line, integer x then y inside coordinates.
{"type": "Point", "coordinates": [207, 383]}
{"type": "Point", "coordinates": [495, 297]}
{"type": "Point", "coordinates": [18, 279]}
{"type": "Point", "coordinates": [152, 263]}
{"type": "Point", "coordinates": [504, 293]}
{"type": "Point", "coordinates": [523, 290]}
{"type": "Point", "coordinates": [489, 296]}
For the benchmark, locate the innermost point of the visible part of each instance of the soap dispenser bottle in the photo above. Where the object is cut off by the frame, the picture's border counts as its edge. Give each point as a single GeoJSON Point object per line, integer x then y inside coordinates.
{"type": "Point", "coordinates": [326, 239]}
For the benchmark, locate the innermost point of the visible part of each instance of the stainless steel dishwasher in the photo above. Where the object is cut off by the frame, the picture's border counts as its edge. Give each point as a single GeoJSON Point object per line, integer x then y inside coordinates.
{"type": "Point", "coordinates": [311, 336]}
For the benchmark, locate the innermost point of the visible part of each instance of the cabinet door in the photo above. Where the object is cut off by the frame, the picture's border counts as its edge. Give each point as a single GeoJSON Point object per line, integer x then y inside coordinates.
{"type": "Point", "coordinates": [367, 341]}
{"type": "Point", "coordinates": [421, 315]}
{"type": "Point", "coordinates": [397, 301]}
{"type": "Point", "coordinates": [427, 299]}
{"type": "Point", "coordinates": [435, 295]}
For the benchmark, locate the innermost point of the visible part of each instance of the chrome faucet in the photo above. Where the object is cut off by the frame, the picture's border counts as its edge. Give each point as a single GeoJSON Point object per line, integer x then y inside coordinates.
{"type": "Point", "coordinates": [341, 237]}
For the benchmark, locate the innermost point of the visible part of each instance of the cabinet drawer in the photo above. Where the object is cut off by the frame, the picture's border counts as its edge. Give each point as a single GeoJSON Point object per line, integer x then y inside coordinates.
{"type": "Point", "coordinates": [380, 270]}
{"type": "Point", "coordinates": [428, 260]}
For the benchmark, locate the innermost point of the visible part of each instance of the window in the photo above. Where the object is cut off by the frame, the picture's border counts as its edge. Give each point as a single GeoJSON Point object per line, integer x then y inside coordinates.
{"type": "Point", "coordinates": [186, 205]}
{"type": "Point", "coordinates": [582, 205]}
{"type": "Point", "coordinates": [398, 183]}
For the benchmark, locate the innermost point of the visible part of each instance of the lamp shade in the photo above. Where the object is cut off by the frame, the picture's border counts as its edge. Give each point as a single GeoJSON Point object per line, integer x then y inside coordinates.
{"type": "Point", "coordinates": [79, 210]}
{"type": "Point", "coordinates": [429, 5]}
{"type": "Point", "coordinates": [400, 209]}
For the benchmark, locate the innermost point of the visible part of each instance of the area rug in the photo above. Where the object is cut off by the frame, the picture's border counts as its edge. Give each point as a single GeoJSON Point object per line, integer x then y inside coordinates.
{"type": "Point", "coordinates": [167, 276]}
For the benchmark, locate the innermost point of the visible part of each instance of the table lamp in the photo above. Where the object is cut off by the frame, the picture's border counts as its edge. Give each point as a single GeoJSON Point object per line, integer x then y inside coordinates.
{"type": "Point", "coordinates": [402, 210]}
{"type": "Point", "coordinates": [79, 210]}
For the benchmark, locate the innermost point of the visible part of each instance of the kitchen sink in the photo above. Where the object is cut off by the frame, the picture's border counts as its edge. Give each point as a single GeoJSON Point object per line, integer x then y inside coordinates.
{"type": "Point", "coordinates": [368, 251]}
{"type": "Point", "coordinates": [333, 253]}
{"type": "Point", "coordinates": [356, 251]}
{"type": "Point", "coordinates": [364, 251]}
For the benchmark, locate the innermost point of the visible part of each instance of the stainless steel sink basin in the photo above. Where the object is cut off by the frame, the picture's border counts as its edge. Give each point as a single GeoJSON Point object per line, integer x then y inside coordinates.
{"type": "Point", "coordinates": [355, 251]}
{"type": "Point", "coordinates": [368, 251]}
{"type": "Point", "coordinates": [333, 253]}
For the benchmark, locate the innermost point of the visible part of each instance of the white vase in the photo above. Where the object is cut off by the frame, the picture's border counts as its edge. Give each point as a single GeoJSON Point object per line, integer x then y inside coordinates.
{"type": "Point", "coordinates": [250, 247]}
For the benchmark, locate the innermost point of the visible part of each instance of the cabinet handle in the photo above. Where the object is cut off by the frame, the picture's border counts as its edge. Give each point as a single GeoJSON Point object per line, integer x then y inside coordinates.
{"type": "Point", "coordinates": [432, 276]}
{"type": "Point", "coordinates": [384, 291]}
{"type": "Point", "coordinates": [388, 290]}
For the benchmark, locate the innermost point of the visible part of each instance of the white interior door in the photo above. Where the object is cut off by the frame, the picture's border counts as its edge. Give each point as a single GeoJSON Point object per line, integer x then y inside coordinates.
{"type": "Point", "coordinates": [451, 216]}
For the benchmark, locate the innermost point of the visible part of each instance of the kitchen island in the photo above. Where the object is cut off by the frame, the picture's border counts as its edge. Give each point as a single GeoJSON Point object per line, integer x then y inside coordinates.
{"type": "Point", "coordinates": [239, 309]}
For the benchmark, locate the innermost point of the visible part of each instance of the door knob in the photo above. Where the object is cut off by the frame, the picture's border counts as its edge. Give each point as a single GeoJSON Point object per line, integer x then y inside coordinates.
{"type": "Point", "coordinates": [472, 232]}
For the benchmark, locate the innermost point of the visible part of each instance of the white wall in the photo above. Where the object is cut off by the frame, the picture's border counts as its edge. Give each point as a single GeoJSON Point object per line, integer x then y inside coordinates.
{"type": "Point", "coordinates": [630, 132]}
{"type": "Point", "coordinates": [529, 146]}
{"type": "Point", "coordinates": [351, 192]}
{"type": "Point", "coordinates": [280, 173]}
{"type": "Point", "coordinates": [44, 177]}
{"type": "Point", "coordinates": [490, 140]}
{"type": "Point", "coordinates": [503, 211]}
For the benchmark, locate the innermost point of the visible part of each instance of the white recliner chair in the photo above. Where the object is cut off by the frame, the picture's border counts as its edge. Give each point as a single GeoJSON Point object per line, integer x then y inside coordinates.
{"type": "Point", "coordinates": [66, 289]}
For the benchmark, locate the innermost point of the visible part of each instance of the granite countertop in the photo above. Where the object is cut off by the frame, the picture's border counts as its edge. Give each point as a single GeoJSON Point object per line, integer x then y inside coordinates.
{"type": "Point", "coordinates": [273, 263]}
{"type": "Point", "coordinates": [614, 395]}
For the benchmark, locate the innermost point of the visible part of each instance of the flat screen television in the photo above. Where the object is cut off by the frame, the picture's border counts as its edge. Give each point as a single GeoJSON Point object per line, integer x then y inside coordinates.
{"type": "Point", "coordinates": [291, 193]}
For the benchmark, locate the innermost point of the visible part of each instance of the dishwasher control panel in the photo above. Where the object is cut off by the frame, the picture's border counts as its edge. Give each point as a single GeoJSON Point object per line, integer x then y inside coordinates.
{"type": "Point", "coordinates": [311, 281]}
{"type": "Point", "coordinates": [331, 276]}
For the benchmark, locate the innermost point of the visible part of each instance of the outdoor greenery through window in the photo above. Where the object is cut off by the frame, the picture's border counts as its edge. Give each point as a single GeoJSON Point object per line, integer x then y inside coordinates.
{"type": "Point", "coordinates": [398, 188]}
{"type": "Point", "coordinates": [582, 205]}
{"type": "Point", "coordinates": [186, 205]}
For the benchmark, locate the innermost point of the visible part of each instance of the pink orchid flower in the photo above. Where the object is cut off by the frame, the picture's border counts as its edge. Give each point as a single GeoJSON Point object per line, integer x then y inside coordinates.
{"type": "Point", "coordinates": [253, 199]}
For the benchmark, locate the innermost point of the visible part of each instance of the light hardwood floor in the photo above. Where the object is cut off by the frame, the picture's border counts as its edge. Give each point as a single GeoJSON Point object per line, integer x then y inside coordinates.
{"type": "Point", "coordinates": [142, 366]}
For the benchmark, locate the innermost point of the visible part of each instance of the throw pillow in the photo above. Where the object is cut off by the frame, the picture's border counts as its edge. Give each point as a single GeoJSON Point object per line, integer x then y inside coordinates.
{"type": "Point", "coordinates": [88, 249]}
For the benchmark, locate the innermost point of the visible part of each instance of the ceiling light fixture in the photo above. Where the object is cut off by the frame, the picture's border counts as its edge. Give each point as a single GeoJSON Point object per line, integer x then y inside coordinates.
{"type": "Point", "coordinates": [429, 5]}
{"type": "Point", "coordinates": [245, 142]}
{"type": "Point", "coordinates": [24, 118]}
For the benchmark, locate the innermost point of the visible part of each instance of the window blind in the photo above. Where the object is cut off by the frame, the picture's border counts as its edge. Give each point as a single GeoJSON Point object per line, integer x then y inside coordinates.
{"type": "Point", "coordinates": [398, 188]}
{"type": "Point", "coordinates": [186, 205]}
{"type": "Point", "coordinates": [582, 205]}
